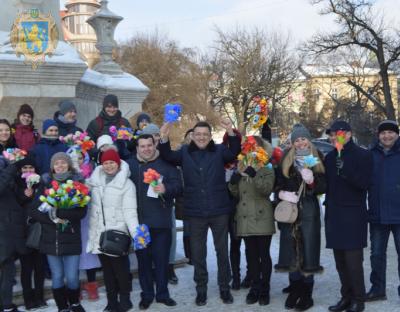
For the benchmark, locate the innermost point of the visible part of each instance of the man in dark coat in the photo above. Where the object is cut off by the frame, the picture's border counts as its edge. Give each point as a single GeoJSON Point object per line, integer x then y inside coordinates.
{"type": "Point", "coordinates": [109, 116]}
{"type": "Point", "coordinates": [384, 205]}
{"type": "Point", "coordinates": [65, 118]}
{"type": "Point", "coordinates": [206, 199]}
{"type": "Point", "coordinates": [348, 178]}
{"type": "Point", "coordinates": [156, 213]}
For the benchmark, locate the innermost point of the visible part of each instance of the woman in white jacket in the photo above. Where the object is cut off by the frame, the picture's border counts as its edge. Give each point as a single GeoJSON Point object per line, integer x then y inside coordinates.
{"type": "Point", "coordinates": [114, 193]}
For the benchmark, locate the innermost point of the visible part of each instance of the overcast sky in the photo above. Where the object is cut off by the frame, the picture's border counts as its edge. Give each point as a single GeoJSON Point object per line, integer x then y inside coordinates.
{"type": "Point", "coordinates": [191, 22]}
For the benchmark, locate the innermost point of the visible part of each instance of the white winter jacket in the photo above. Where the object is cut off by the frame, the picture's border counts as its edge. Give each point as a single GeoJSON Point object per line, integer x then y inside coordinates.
{"type": "Point", "coordinates": [119, 204]}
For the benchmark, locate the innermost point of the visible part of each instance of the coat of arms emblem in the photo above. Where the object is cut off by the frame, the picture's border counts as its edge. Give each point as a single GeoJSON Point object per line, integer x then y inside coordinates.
{"type": "Point", "coordinates": [34, 35]}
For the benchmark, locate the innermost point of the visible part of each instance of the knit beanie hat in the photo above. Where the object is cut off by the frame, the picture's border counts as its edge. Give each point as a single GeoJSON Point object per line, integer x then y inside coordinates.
{"type": "Point", "coordinates": [143, 117]}
{"type": "Point", "coordinates": [110, 99]}
{"type": "Point", "coordinates": [110, 154]}
{"type": "Point", "coordinates": [47, 124]}
{"type": "Point", "coordinates": [105, 139]}
{"type": "Point", "coordinates": [29, 160]}
{"type": "Point", "coordinates": [299, 131]}
{"type": "Point", "coordinates": [388, 125]}
{"type": "Point", "coordinates": [66, 106]}
{"type": "Point", "coordinates": [61, 156]}
{"type": "Point", "coordinates": [25, 109]}
{"type": "Point", "coordinates": [151, 129]}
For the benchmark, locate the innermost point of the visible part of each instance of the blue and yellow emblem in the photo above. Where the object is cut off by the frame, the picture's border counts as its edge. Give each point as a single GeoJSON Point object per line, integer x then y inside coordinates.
{"type": "Point", "coordinates": [34, 35]}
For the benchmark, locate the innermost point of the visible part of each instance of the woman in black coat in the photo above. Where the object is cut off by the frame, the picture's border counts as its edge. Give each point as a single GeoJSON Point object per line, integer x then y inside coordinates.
{"type": "Point", "coordinates": [61, 237]}
{"type": "Point", "coordinates": [300, 242]}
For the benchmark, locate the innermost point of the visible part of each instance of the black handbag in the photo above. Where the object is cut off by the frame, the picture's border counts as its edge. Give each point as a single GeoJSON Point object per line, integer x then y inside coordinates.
{"type": "Point", "coordinates": [34, 235]}
{"type": "Point", "coordinates": [114, 242]}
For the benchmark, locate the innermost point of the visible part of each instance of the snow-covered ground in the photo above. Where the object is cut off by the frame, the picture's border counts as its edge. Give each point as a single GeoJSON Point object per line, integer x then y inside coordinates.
{"type": "Point", "coordinates": [326, 287]}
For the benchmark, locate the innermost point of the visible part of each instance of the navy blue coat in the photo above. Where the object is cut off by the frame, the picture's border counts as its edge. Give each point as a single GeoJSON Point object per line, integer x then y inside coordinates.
{"type": "Point", "coordinates": [205, 190]}
{"type": "Point", "coordinates": [155, 212]}
{"type": "Point", "coordinates": [65, 128]}
{"type": "Point", "coordinates": [44, 150]}
{"type": "Point", "coordinates": [384, 192]}
{"type": "Point", "coordinates": [346, 198]}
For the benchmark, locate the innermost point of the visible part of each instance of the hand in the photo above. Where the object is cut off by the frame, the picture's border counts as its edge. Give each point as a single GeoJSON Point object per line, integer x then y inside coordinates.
{"type": "Point", "coordinates": [28, 192]}
{"type": "Point", "coordinates": [307, 175]}
{"type": "Point", "coordinates": [159, 188]}
{"type": "Point", "coordinates": [165, 130]}
{"type": "Point", "coordinates": [250, 171]}
{"type": "Point", "coordinates": [288, 196]}
{"type": "Point", "coordinates": [45, 207]}
{"type": "Point", "coordinates": [339, 163]}
{"type": "Point", "coordinates": [227, 125]}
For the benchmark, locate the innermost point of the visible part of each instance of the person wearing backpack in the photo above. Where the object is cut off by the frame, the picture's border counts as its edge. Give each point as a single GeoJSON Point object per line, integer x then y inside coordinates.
{"type": "Point", "coordinates": [109, 116]}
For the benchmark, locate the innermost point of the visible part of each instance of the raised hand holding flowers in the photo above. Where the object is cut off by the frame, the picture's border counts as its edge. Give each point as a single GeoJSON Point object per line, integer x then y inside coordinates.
{"type": "Point", "coordinates": [172, 112]}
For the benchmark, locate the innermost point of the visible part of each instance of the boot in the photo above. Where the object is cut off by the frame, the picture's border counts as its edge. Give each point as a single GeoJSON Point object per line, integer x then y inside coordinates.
{"type": "Point", "coordinates": [236, 283]}
{"type": "Point", "coordinates": [252, 296]}
{"type": "Point", "coordinates": [39, 298]}
{"type": "Point", "coordinates": [263, 298]}
{"type": "Point", "coordinates": [73, 298]}
{"type": "Point", "coordinates": [294, 294]}
{"type": "Point", "coordinates": [29, 299]}
{"type": "Point", "coordinates": [246, 282]}
{"type": "Point", "coordinates": [125, 303]}
{"type": "Point", "coordinates": [92, 290]}
{"type": "Point", "coordinates": [172, 278]}
{"type": "Point", "coordinates": [60, 297]}
{"type": "Point", "coordinates": [306, 301]}
{"type": "Point", "coordinates": [186, 248]}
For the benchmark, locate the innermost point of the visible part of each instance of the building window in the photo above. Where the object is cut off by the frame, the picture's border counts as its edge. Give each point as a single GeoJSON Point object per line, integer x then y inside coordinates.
{"type": "Point", "coordinates": [317, 94]}
{"type": "Point", "coordinates": [334, 93]}
{"type": "Point", "coordinates": [353, 95]}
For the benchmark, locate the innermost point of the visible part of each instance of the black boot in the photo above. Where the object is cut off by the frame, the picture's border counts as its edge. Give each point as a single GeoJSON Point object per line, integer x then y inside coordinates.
{"type": "Point", "coordinates": [73, 298]}
{"type": "Point", "coordinates": [186, 248]}
{"type": "Point", "coordinates": [172, 278]}
{"type": "Point", "coordinates": [60, 297]}
{"type": "Point", "coordinates": [252, 296]}
{"type": "Point", "coordinates": [125, 303]}
{"type": "Point", "coordinates": [29, 299]}
{"type": "Point", "coordinates": [294, 295]}
{"type": "Point", "coordinates": [235, 283]}
{"type": "Point", "coordinates": [263, 298]}
{"type": "Point", "coordinates": [306, 301]}
{"type": "Point", "coordinates": [39, 298]}
{"type": "Point", "coordinates": [246, 282]}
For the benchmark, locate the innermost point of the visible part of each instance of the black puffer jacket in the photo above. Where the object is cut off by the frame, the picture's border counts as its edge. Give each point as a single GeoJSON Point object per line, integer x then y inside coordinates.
{"type": "Point", "coordinates": [55, 240]}
{"type": "Point", "coordinates": [12, 220]}
{"type": "Point", "coordinates": [102, 123]}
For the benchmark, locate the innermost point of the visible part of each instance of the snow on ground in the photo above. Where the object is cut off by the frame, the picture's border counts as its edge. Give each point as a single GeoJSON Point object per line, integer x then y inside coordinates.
{"type": "Point", "coordinates": [326, 287]}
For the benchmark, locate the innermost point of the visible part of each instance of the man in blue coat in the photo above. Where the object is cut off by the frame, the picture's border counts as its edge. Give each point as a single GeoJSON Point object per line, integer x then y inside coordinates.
{"type": "Point", "coordinates": [156, 212]}
{"type": "Point", "coordinates": [384, 204]}
{"type": "Point", "coordinates": [348, 177]}
{"type": "Point", "coordinates": [206, 199]}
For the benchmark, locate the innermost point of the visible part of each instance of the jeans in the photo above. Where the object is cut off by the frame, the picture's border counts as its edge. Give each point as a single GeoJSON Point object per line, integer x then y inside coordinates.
{"type": "Point", "coordinates": [7, 274]}
{"type": "Point", "coordinates": [64, 267]}
{"type": "Point", "coordinates": [379, 236]}
{"type": "Point", "coordinates": [172, 253]}
{"type": "Point", "coordinates": [198, 243]}
{"type": "Point", "coordinates": [156, 253]}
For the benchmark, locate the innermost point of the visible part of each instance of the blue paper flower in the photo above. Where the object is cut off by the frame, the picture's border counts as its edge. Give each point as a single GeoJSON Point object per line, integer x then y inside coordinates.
{"type": "Point", "coordinates": [310, 161]}
{"type": "Point", "coordinates": [172, 112]}
{"type": "Point", "coordinates": [142, 237]}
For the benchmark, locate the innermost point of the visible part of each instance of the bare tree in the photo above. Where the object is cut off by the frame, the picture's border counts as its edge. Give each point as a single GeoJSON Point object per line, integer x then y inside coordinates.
{"type": "Point", "coordinates": [247, 64]}
{"type": "Point", "coordinates": [172, 74]}
{"type": "Point", "coordinates": [360, 27]}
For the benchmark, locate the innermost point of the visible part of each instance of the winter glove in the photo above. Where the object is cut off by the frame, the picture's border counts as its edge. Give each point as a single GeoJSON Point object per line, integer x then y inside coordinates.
{"type": "Point", "coordinates": [235, 178]}
{"type": "Point", "coordinates": [307, 175]}
{"type": "Point", "coordinates": [288, 196]}
{"type": "Point", "coordinates": [250, 171]}
{"type": "Point", "coordinates": [339, 163]}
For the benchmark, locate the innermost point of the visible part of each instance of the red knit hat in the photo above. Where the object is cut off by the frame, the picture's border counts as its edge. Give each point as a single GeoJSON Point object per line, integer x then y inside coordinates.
{"type": "Point", "coordinates": [110, 154]}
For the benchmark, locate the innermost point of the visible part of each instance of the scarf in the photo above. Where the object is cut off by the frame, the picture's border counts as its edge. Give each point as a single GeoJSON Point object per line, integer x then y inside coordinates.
{"type": "Point", "coordinates": [62, 177]}
{"type": "Point", "coordinates": [299, 160]}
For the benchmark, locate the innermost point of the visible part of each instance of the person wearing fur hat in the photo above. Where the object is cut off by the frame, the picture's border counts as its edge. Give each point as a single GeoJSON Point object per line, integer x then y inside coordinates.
{"type": "Point", "coordinates": [254, 221]}
{"type": "Point", "coordinates": [32, 261]}
{"type": "Point", "coordinates": [300, 242]}
{"type": "Point", "coordinates": [47, 146]}
{"type": "Point", "coordinates": [61, 236]}
{"type": "Point", "coordinates": [348, 176]}
{"type": "Point", "coordinates": [109, 116]}
{"type": "Point", "coordinates": [65, 118]}
{"type": "Point", "coordinates": [25, 134]}
{"type": "Point", "coordinates": [113, 207]}
{"type": "Point", "coordinates": [384, 205]}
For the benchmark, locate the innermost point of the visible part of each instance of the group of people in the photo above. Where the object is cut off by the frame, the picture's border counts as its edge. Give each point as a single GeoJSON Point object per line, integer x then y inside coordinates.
{"type": "Point", "coordinates": [209, 187]}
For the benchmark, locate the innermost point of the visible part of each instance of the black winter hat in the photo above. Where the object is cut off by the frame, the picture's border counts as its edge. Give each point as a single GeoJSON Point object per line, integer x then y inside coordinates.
{"type": "Point", "coordinates": [110, 99]}
{"type": "Point", "coordinates": [28, 160]}
{"type": "Point", "coordinates": [340, 125]}
{"type": "Point", "coordinates": [388, 125]}
{"type": "Point", "coordinates": [25, 109]}
{"type": "Point", "coordinates": [142, 117]}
